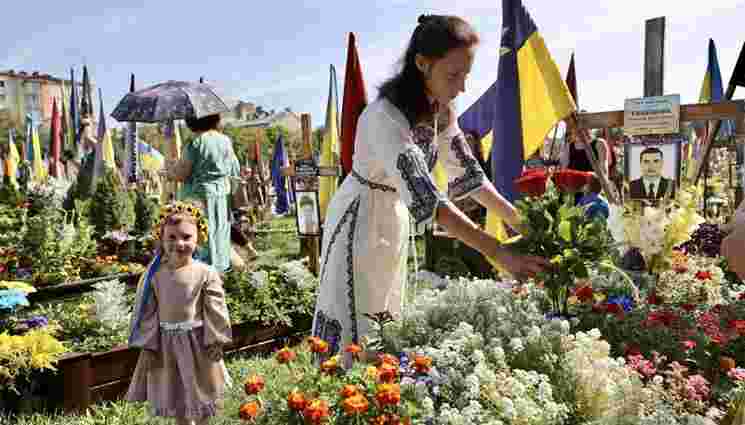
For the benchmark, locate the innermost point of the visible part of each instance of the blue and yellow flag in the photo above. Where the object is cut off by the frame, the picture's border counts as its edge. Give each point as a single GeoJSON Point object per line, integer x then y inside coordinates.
{"type": "Point", "coordinates": [712, 90]}
{"type": "Point", "coordinates": [520, 108]}
{"type": "Point", "coordinates": [329, 147]}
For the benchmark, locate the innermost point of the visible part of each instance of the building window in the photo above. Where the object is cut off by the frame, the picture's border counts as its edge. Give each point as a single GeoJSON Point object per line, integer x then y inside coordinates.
{"type": "Point", "coordinates": [2, 84]}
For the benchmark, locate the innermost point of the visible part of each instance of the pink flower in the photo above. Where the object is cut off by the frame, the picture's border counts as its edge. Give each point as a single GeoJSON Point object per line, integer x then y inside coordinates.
{"type": "Point", "coordinates": [688, 344]}
{"type": "Point", "coordinates": [736, 374]}
{"type": "Point", "coordinates": [697, 388]}
{"type": "Point", "coordinates": [643, 367]}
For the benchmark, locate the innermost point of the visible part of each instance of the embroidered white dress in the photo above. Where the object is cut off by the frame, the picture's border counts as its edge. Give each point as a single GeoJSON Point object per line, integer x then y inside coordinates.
{"type": "Point", "coordinates": [366, 231]}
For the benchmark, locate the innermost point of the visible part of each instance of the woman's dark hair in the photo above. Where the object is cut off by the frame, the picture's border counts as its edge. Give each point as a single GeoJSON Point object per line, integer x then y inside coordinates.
{"type": "Point", "coordinates": [433, 38]}
{"type": "Point", "coordinates": [210, 122]}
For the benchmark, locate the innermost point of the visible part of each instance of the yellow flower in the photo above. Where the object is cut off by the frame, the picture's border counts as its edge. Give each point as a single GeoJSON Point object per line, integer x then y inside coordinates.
{"type": "Point", "coordinates": [371, 372]}
{"type": "Point", "coordinates": [573, 300]}
{"type": "Point", "coordinates": [599, 297]}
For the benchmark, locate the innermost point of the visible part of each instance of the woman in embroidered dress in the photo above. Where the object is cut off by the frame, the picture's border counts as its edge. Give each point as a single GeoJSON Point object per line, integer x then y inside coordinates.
{"type": "Point", "coordinates": [208, 162]}
{"type": "Point", "coordinates": [181, 323]}
{"type": "Point", "coordinates": [363, 263]}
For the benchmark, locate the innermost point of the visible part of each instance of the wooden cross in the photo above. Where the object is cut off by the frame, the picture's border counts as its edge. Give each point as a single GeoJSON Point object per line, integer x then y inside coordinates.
{"type": "Point", "coordinates": [653, 86]}
{"type": "Point", "coordinates": [309, 245]}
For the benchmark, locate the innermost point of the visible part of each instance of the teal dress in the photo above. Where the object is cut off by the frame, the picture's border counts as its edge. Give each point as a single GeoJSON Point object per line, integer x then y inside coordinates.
{"type": "Point", "coordinates": [213, 163]}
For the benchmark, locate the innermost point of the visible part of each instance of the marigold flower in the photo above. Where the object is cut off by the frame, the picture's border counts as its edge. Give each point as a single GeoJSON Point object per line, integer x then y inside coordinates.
{"type": "Point", "coordinates": [726, 363]}
{"type": "Point", "coordinates": [371, 372]}
{"type": "Point", "coordinates": [387, 358]}
{"type": "Point", "coordinates": [584, 294]}
{"type": "Point", "coordinates": [254, 384]}
{"type": "Point", "coordinates": [422, 364]}
{"type": "Point", "coordinates": [317, 345]}
{"type": "Point", "coordinates": [355, 405]}
{"type": "Point", "coordinates": [388, 394]}
{"type": "Point", "coordinates": [387, 372]}
{"type": "Point", "coordinates": [285, 355]}
{"type": "Point", "coordinates": [349, 391]}
{"type": "Point", "coordinates": [296, 401]}
{"type": "Point", "coordinates": [249, 411]}
{"type": "Point", "coordinates": [316, 411]}
{"type": "Point", "coordinates": [353, 349]}
{"type": "Point", "coordinates": [329, 366]}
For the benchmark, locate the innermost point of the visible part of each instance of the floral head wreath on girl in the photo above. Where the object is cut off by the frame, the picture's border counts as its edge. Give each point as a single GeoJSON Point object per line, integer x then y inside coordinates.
{"type": "Point", "coordinates": [182, 208]}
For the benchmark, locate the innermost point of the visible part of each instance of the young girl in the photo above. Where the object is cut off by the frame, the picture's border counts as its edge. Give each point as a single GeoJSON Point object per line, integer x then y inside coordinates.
{"type": "Point", "coordinates": [181, 323]}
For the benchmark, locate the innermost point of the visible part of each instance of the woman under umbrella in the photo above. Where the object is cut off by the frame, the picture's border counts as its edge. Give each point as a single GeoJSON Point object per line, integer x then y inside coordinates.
{"type": "Point", "coordinates": [207, 165]}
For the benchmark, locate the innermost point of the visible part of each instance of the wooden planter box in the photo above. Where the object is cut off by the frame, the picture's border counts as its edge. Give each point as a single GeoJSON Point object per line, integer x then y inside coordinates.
{"type": "Point", "coordinates": [45, 293]}
{"type": "Point", "coordinates": [87, 378]}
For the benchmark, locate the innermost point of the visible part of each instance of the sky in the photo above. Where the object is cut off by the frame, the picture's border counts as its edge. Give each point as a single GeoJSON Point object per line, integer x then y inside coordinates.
{"type": "Point", "coordinates": [277, 53]}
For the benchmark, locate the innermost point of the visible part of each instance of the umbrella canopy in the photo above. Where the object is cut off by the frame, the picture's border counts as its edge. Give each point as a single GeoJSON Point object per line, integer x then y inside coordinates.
{"type": "Point", "coordinates": [172, 100]}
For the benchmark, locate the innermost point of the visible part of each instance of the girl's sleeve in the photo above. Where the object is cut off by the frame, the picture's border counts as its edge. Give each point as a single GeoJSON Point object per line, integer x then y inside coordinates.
{"type": "Point", "coordinates": [150, 325]}
{"type": "Point", "coordinates": [391, 141]}
{"type": "Point", "coordinates": [465, 175]}
{"type": "Point", "coordinates": [215, 318]}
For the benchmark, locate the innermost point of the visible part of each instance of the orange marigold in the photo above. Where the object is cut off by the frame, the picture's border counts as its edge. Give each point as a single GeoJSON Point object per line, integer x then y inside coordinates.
{"type": "Point", "coordinates": [249, 411]}
{"type": "Point", "coordinates": [387, 372]}
{"type": "Point", "coordinates": [388, 394]}
{"type": "Point", "coordinates": [254, 384]}
{"type": "Point", "coordinates": [355, 405]}
{"type": "Point", "coordinates": [329, 366]}
{"type": "Point", "coordinates": [349, 391]}
{"type": "Point", "coordinates": [316, 411]}
{"type": "Point", "coordinates": [422, 364]}
{"type": "Point", "coordinates": [317, 345]}
{"type": "Point", "coordinates": [387, 358]}
{"type": "Point", "coordinates": [285, 355]}
{"type": "Point", "coordinates": [353, 349]}
{"type": "Point", "coordinates": [296, 401]}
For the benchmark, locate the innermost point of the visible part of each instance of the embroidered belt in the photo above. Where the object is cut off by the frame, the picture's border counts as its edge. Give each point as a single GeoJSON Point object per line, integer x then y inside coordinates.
{"type": "Point", "coordinates": [181, 326]}
{"type": "Point", "coordinates": [372, 185]}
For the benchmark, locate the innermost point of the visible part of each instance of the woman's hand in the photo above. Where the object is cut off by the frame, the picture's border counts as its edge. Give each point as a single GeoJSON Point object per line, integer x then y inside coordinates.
{"type": "Point", "coordinates": [521, 266]}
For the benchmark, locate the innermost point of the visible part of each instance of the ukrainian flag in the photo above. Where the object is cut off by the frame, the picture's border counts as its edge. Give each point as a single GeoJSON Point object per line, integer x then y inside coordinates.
{"type": "Point", "coordinates": [520, 108]}
{"type": "Point", "coordinates": [712, 89]}
{"type": "Point", "coordinates": [329, 147]}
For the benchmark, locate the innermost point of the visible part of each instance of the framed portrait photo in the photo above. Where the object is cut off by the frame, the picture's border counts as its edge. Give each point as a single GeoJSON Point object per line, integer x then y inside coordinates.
{"type": "Point", "coordinates": [308, 213]}
{"type": "Point", "coordinates": [653, 168]}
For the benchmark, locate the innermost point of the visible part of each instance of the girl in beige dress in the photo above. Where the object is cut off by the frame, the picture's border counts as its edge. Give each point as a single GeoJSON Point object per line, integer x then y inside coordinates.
{"type": "Point", "coordinates": [181, 323]}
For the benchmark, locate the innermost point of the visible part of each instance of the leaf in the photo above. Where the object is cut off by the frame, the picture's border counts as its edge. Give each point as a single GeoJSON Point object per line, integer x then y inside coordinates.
{"type": "Point", "coordinates": [580, 271]}
{"type": "Point", "coordinates": [565, 230]}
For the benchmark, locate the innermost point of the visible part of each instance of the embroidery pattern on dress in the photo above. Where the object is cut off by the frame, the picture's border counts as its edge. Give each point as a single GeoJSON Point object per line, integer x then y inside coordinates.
{"type": "Point", "coordinates": [423, 136]}
{"type": "Point", "coordinates": [473, 176]}
{"type": "Point", "coordinates": [322, 321]}
{"type": "Point", "coordinates": [424, 195]}
{"type": "Point", "coordinates": [350, 269]}
{"type": "Point", "coordinates": [372, 185]}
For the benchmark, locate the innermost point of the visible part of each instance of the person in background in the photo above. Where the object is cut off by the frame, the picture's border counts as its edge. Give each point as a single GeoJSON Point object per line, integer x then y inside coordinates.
{"type": "Point", "coordinates": [597, 205]}
{"type": "Point", "coordinates": [208, 162]}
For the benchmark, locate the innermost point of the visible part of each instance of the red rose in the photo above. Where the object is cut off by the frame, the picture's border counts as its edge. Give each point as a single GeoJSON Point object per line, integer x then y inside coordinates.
{"type": "Point", "coordinates": [571, 180]}
{"type": "Point", "coordinates": [532, 184]}
{"type": "Point", "coordinates": [688, 344]}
